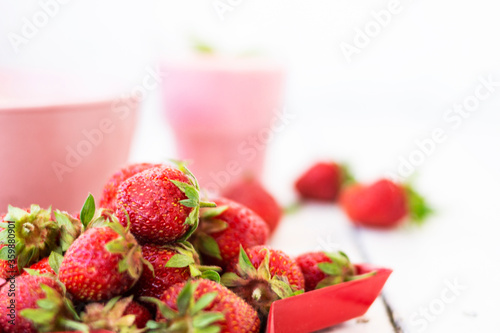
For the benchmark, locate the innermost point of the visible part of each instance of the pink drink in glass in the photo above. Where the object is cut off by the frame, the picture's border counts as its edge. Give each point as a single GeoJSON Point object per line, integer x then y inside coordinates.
{"type": "Point", "coordinates": [222, 112]}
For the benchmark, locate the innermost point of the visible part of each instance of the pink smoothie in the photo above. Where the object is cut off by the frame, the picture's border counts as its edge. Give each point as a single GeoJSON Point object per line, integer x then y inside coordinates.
{"type": "Point", "coordinates": [222, 112]}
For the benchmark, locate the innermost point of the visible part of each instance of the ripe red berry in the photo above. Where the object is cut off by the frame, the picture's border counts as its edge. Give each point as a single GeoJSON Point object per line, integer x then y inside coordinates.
{"type": "Point", "coordinates": [42, 267]}
{"type": "Point", "coordinates": [383, 204]}
{"type": "Point", "coordinates": [154, 284]}
{"type": "Point", "coordinates": [207, 306]}
{"type": "Point", "coordinates": [262, 275]}
{"type": "Point", "coordinates": [322, 181]}
{"type": "Point", "coordinates": [20, 294]}
{"type": "Point", "coordinates": [161, 204]}
{"type": "Point", "coordinates": [102, 263]}
{"type": "Point", "coordinates": [109, 192]}
{"type": "Point", "coordinates": [225, 228]}
{"type": "Point", "coordinates": [250, 193]}
{"type": "Point", "coordinates": [322, 269]}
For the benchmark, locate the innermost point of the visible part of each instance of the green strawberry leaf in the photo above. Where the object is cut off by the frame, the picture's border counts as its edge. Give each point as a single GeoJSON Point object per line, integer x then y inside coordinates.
{"type": "Point", "coordinates": [211, 275]}
{"type": "Point", "coordinates": [329, 281]}
{"type": "Point", "coordinates": [32, 271]}
{"type": "Point", "coordinates": [418, 208]}
{"type": "Point", "coordinates": [330, 268]}
{"type": "Point", "coordinates": [88, 211]}
{"type": "Point", "coordinates": [245, 267]}
{"type": "Point", "coordinates": [180, 260]}
{"type": "Point", "coordinates": [210, 213]}
{"type": "Point", "coordinates": [4, 253]}
{"type": "Point", "coordinates": [263, 270]}
{"type": "Point", "coordinates": [347, 176]}
{"type": "Point", "coordinates": [281, 287]}
{"type": "Point", "coordinates": [55, 260]}
{"type": "Point", "coordinates": [209, 246]}
{"type": "Point", "coordinates": [203, 302]}
{"type": "Point", "coordinates": [186, 297]}
{"type": "Point", "coordinates": [210, 329]}
{"type": "Point", "coordinates": [231, 280]}
{"type": "Point", "coordinates": [203, 320]}
{"type": "Point", "coordinates": [214, 225]}
{"type": "Point", "coordinates": [165, 311]}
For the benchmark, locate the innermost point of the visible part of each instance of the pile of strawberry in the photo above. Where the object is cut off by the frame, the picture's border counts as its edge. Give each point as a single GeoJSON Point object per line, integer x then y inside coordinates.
{"type": "Point", "coordinates": [153, 257]}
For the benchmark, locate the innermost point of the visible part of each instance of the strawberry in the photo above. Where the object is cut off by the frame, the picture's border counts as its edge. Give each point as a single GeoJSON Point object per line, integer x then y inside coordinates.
{"type": "Point", "coordinates": [32, 232]}
{"type": "Point", "coordinates": [323, 269]}
{"type": "Point", "coordinates": [102, 263]}
{"type": "Point", "coordinates": [42, 267]}
{"type": "Point", "coordinates": [203, 306]}
{"type": "Point", "coordinates": [383, 204]}
{"type": "Point", "coordinates": [108, 196]}
{"type": "Point", "coordinates": [262, 275]}
{"type": "Point", "coordinates": [323, 181]}
{"type": "Point", "coordinates": [162, 204]}
{"type": "Point", "coordinates": [225, 228]}
{"type": "Point", "coordinates": [172, 264]}
{"type": "Point", "coordinates": [250, 193]}
{"type": "Point", "coordinates": [117, 315]}
{"type": "Point", "coordinates": [141, 313]}
{"type": "Point", "coordinates": [22, 310]}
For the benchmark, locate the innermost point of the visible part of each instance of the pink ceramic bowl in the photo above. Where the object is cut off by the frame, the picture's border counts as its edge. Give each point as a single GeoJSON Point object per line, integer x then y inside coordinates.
{"type": "Point", "coordinates": [55, 154]}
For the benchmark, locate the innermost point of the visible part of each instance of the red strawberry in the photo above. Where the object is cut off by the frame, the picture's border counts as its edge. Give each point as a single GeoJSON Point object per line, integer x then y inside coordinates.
{"type": "Point", "coordinates": [383, 204]}
{"type": "Point", "coordinates": [225, 228]}
{"type": "Point", "coordinates": [263, 275]}
{"type": "Point", "coordinates": [172, 264]}
{"type": "Point", "coordinates": [42, 267]}
{"type": "Point", "coordinates": [8, 267]}
{"type": "Point", "coordinates": [322, 181]}
{"type": "Point", "coordinates": [117, 315]}
{"type": "Point", "coordinates": [162, 204]}
{"type": "Point", "coordinates": [323, 269]}
{"type": "Point", "coordinates": [22, 293]}
{"type": "Point", "coordinates": [250, 193]}
{"type": "Point", "coordinates": [103, 262]}
{"type": "Point", "coordinates": [141, 313]}
{"type": "Point", "coordinates": [109, 192]}
{"type": "Point", "coordinates": [34, 234]}
{"type": "Point", "coordinates": [204, 306]}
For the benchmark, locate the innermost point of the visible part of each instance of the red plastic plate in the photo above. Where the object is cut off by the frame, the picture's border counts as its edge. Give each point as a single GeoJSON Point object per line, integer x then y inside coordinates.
{"type": "Point", "coordinates": [322, 308]}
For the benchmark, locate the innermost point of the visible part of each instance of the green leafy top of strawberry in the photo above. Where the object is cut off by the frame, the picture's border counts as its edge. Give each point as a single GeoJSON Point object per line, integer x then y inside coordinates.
{"type": "Point", "coordinates": [110, 316]}
{"type": "Point", "coordinates": [54, 261]}
{"type": "Point", "coordinates": [192, 191]}
{"type": "Point", "coordinates": [203, 241]}
{"type": "Point", "coordinates": [190, 316]}
{"type": "Point", "coordinates": [128, 248]}
{"type": "Point", "coordinates": [188, 257]}
{"type": "Point", "coordinates": [55, 312]}
{"type": "Point", "coordinates": [35, 234]}
{"type": "Point", "coordinates": [257, 285]}
{"type": "Point", "coordinates": [418, 208]}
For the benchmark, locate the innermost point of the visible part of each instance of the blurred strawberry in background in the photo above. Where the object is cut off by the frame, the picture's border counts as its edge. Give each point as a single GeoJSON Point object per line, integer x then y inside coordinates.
{"type": "Point", "coordinates": [323, 181]}
{"type": "Point", "coordinates": [252, 194]}
{"type": "Point", "coordinates": [383, 204]}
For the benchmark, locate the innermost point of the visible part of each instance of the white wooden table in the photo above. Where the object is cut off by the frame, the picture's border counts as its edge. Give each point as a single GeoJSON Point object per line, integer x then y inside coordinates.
{"type": "Point", "coordinates": [446, 273]}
